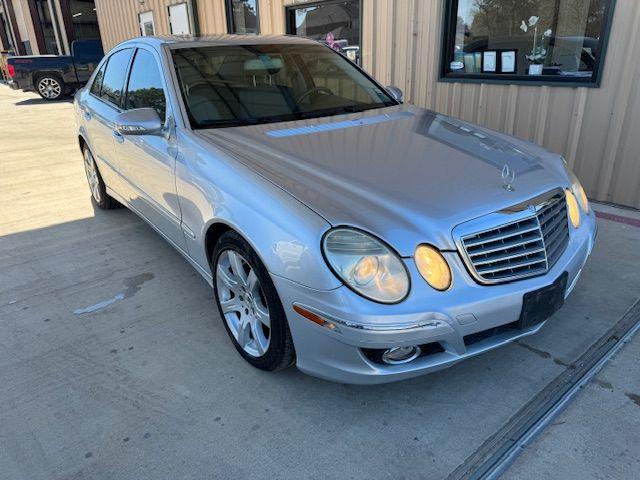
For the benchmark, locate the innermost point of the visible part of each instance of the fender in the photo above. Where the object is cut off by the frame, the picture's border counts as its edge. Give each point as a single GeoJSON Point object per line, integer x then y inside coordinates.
{"type": "Point", "coordinates": [215, 189]}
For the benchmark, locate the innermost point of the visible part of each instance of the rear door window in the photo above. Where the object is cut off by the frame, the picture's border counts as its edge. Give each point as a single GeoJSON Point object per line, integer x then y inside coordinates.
{"type": "Point", "coordinates": [96, 86]}
{"type": "Point", "coordinates": [114, 77]}
{"type": "Point", "coordinates": [145, 88]}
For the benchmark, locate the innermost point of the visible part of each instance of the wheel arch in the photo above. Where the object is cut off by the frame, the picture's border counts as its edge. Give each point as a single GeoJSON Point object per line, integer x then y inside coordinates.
{"type": "Point", "coordinates": [213, 234]}
{"type": "Point", "coordinates": [82, 142]}
{"type": "Point", "coordinates": [37, 75]}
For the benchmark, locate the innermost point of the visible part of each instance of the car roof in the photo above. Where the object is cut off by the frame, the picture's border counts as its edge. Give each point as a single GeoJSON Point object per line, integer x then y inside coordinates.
{"type": "Point", "coordinates": [175, 41]}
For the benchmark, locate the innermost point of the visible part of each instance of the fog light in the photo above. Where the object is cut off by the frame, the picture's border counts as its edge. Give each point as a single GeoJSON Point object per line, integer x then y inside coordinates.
{"type": "Point", "coordinates": [398, 355]}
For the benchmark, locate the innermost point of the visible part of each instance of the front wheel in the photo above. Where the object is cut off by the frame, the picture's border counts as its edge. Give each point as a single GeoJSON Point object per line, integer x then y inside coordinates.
{"type": "Point", "coordinates": [50, 87]}
{"type": "Point", "coordinates": [98, 189]}
{"type": "Point", "coordinates": [249, 305]}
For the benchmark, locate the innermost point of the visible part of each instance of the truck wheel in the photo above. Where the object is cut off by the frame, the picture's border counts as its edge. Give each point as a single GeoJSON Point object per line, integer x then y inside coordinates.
{"type": "Point", "coordinates": [50, 87]}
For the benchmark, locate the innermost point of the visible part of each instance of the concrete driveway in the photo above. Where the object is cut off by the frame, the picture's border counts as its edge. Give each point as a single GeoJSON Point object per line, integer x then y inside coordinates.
{"type": "Point", "coordinates": [150, 387]}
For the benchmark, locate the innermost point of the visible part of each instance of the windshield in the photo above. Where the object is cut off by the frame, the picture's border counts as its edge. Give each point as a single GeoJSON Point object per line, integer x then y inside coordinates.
{"type": "Point", "coordinates": [235, 85]}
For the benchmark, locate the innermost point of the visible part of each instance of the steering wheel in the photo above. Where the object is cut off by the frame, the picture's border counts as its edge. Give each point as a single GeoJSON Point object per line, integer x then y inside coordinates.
{"type": "Point", "coordinates": [314, 90]}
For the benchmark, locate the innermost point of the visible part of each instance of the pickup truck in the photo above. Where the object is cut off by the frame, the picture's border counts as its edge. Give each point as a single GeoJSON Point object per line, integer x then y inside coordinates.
{"type": "Point", "coordinates": [54, 76]}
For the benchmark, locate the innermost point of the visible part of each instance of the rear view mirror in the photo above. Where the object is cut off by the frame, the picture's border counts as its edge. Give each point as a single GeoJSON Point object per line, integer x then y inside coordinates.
{"type": "Point", "coordinates": [395, 93]}
{"type": "Point", "coordinates": [139, 121]}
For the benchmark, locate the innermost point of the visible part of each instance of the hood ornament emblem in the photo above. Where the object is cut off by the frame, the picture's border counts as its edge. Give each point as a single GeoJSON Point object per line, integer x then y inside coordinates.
{"type": "Point", "coordinates": [508, 176]}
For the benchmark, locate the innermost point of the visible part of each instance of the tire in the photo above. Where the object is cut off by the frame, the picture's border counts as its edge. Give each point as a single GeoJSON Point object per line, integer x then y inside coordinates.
{"type": "Point", "coordinates": [50, 87]}
{"type": "Point", "coordinates": [246, 298]}
{"type": "Point", "coordinates": [99, 194]}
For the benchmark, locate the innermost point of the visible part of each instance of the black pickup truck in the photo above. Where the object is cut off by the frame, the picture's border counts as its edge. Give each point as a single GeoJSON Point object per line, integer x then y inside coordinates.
{"type": "Point", "coordinates": [53, 76]}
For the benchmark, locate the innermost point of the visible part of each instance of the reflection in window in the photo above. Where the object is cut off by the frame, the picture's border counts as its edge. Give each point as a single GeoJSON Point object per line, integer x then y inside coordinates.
{"type": "Point", "coordinates": [145, 85]}
{"type": "Point", "coordinates": [235, 85]}
{"type": "Point", "coordinates": [551, 38]}
{"type": "Point", "coordinates": [96, 86]}
{"type": "Point", "coordinates": [242, 16]}
{"type": "Point", "coordinates": [335, 23]}
{"type": "Point", "coordinates": [113, 81]}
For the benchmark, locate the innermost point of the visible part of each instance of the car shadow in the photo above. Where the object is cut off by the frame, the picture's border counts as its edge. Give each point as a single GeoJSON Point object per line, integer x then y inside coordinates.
{"type": "Point", "coordinates": [42, 101]}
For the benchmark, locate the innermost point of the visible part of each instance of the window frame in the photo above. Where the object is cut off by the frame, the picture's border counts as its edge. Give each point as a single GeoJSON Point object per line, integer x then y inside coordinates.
{"type": "Point", "coordinates": [290, 25]}
{"type": "Point", "coordinates": [125, 89]}
{"type": "Point", "coordinates": [181, 103]}
{"type": "Point", "coordinates": [449, 22]}
{"type": "Point", "coordinates": [91, 83]}
{"type": "Point", "coordinates": [106, 60]}
{"type": "Point", "coordinates": [231, 27]}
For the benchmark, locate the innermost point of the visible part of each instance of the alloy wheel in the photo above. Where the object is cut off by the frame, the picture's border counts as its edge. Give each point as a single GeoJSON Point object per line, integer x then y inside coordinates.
{"type": "Point", "coordinates": [49, 88]}
{"type": "Point", "coordinates": [92, 175]}
{"type": "Point", "coordinates": [243, 303]}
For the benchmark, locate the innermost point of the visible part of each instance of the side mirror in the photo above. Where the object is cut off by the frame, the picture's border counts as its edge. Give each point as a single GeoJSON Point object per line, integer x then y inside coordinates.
{"type": "Point", "coordinates": [139, 121]}
{"type": "Point", "coordinates": [395, 93]}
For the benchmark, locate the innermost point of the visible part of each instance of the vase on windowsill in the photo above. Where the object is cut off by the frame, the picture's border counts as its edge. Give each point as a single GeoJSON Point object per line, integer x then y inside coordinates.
{"type": "Point", "coordinates": [535, 69]}
{"type": "Point", "coordinates": [538, 53]}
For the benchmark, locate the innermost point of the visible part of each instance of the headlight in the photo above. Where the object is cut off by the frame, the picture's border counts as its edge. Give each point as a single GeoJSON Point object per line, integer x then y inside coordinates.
{"type": "Point", "coordinates": [572, 207]}
{"type": "Point", "coordinates": [578, 191]}
{"type": "Point", "coordinates": [433, 267]}
{"type": "Point", "coordinates": [366, 265]}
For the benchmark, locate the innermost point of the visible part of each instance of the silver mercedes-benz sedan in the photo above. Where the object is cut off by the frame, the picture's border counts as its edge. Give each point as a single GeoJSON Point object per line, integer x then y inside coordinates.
{"type": "Point", "coordinates": [362, 239]}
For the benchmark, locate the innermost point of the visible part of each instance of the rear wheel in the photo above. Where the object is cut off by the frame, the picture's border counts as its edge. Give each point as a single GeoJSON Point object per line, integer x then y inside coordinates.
{"type": "Point", "coordinates": [98, 189]}
{"type": "Point", "coordinates": [249, 305]}
{"type": "Point", "coordinates": [50, 87]}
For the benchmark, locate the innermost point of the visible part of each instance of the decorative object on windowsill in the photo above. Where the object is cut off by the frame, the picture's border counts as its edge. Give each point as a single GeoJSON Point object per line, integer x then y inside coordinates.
{"type": "Point", "coordinates": [538, 52]}
{"type": "Point", "coordinates": [508, 61]}
{"type": "Point", "coordinates": [330, 41]}
{"type": "Point", "coordinates": [489, 61]}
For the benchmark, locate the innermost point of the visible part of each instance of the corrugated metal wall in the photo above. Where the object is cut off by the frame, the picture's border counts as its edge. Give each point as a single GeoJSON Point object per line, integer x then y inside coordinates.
{"type": "Point", "coordinates": [597, 130]}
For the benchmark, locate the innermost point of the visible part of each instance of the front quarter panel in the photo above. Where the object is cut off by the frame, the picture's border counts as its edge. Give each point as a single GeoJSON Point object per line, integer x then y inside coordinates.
{"type": "Point", "coordinates": [213, 188]}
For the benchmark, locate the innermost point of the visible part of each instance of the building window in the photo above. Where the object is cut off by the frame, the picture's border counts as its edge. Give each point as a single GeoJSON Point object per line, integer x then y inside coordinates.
{"type": "Point", "coordinates": [179, 19]}
{"type": "Point", "coordinates": [336, 23]}
{"type": "Point", "coordinates": [147, 28]}
{"type": "Point", "coordinates": [542, 41]}
{"type": "Point", "coordinates": [243, 17]}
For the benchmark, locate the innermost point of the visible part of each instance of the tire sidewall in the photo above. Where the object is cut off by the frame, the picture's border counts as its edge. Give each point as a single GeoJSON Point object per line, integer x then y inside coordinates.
{"type": "Point", "coordinates": [104, 196]}
{"type": "Point", "coordinates": [277, 354]}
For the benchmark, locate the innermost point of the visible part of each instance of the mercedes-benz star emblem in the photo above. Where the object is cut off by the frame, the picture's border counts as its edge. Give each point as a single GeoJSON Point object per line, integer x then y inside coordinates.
{"type": "Point", "coordinates": [508, 176]}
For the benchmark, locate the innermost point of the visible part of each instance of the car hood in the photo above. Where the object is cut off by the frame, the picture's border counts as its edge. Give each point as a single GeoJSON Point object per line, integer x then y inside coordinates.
{"type": "Point", "coordinates": [405, 174]}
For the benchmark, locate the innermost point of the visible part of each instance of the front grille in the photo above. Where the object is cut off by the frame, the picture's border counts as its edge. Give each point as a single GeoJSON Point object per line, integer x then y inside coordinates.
{"type": "Point", "coordinates": [524, 248]}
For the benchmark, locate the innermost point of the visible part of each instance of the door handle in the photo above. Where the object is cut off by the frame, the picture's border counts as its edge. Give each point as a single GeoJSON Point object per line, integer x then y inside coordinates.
{"type": "Point", "coordinates": [118, 136]}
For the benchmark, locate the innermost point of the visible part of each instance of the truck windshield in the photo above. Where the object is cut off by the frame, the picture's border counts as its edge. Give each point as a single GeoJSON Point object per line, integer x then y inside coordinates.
{"type": "Point", "coordinates": [235, 85]}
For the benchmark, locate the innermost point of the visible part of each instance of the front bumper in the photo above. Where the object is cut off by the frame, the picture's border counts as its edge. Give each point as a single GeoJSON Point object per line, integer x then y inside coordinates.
{"type": "Point", "coordinates": [425, 317]}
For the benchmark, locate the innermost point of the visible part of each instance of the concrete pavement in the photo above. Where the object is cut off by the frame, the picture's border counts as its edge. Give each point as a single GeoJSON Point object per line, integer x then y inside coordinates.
{"type": "Point", "coordinates": [597, 436]}
{"type": "Point", "coordinates": [150, 387]}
